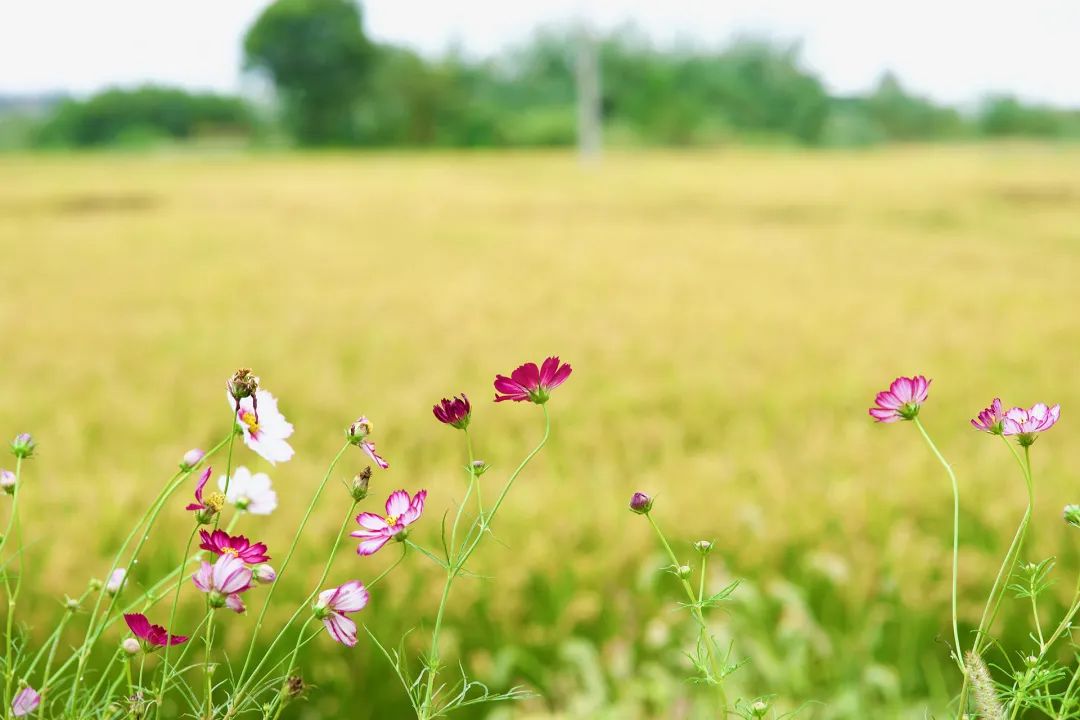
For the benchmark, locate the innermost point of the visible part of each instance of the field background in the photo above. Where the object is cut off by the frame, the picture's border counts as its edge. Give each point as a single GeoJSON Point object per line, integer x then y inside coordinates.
{"type": "Point", "coordinates": [729, 317]}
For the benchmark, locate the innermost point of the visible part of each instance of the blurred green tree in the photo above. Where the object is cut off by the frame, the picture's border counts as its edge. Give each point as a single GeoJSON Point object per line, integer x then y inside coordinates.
{"type": "Point", "coordinates": [320, 61]}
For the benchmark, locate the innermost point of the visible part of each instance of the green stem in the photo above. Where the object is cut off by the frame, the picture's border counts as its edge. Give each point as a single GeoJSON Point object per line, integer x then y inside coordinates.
{"type": "Point", "coordinates": [208, 671]}
{"type": "Point", "coordinates": [957, 654]}
{"type": "Point", "coordinates": [9, 640]}
{"type": "Point", "coordinates": [172, 618]}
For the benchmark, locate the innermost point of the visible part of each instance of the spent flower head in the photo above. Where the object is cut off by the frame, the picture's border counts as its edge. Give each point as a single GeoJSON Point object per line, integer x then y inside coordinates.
{"type": "Point", "coordinates": [641, 503]}
{"type": "Point", "coordinates": [990, 419]}
{"type": "Point", "coordinates": [248, 491]}
{"type": "Point", "coordinates": [1026, 424]}
{"type": "Point", "coordinates": [376, 530]}
{"type": "Point", "coordinates": [205, 508]}
{"type": "Point", "coordinates": [357, 434]}
{"type": "Point", "coordinates": [358, 486]}
{"type": "Point", "coordinates": [242, 384]}
{"type": "Point", "coordinates": [902, 400]}
{"type": "Point", "coordinates": [23, 446]}
{"type": "Point", "coordinates": [332, 606]}
{"type": "Point", "coordinates": [532, 383]}
{"type": "Point", "coordinates": [455, 412]}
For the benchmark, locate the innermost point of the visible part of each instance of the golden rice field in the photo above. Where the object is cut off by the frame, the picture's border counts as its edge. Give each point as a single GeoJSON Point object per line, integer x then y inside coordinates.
{"type": "Point", "coordinates": [729, 317]}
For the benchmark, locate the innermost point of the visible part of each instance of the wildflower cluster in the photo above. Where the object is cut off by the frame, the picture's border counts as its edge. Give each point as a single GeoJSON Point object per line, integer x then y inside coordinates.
{"type": "Point", "coordinates": [222, 568]}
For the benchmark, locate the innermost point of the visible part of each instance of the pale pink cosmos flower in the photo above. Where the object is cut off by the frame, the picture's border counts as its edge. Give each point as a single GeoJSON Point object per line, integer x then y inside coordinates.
{"type": "Point", "coordinates": [532, 383]}
{"type": "Point", "coordinates": [25, 702]}
{"type": "Point", "coordinates": [264, 431]}
{"type": "Point", "coordinates": [250, 492]}
{"type": "Point", "coordinates": [224, 581]}
{"type": "Point", "coordinates": [1025, 424]}
{"type": "Point", "coordinates": [902, 400]}
{"type": "Point", "coordinates": [357, 434]}
{"type": "Point", "coordinates": [991, 419]}
{"type": "Point", "coordinates": [334, 603]}
{"type": "Point", "coordinates": [376, 531]}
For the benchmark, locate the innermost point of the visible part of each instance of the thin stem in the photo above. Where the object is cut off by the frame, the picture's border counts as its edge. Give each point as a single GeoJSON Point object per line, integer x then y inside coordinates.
{"type": "Point", "coordinates": [955, 541]}
{"type": "Point", "coordinates": [172, 617]}
{"type": "Point", "coordinates": [208, 671]}
{"type": "Point", "coordinates": [472, 473]}
{"type": "Point", "coordinates": [9, 640]}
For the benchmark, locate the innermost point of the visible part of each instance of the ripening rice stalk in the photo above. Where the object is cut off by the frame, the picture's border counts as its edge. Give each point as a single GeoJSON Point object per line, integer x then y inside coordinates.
{"type": "Point", "coordinates": [987, 703]}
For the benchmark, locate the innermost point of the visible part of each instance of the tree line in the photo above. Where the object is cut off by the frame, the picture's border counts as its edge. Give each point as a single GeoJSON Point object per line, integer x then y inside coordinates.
{"type": "Point", "coordinates": [335, 87]}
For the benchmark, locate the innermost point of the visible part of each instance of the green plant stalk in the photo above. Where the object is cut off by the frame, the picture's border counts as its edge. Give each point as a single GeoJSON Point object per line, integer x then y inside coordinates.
{"type": "Point", "coordinates": [460, 558]}
{"type": "Point", "coordinates": [228, 465]}
{"type": "Point", "coordinates": [9, 641]}
{"type": "Point", "coordinates": [208, 671]}
{"type": "Point", "coordinates": [695, 610]}
{"type": "Point", "coordinates": [955, 542]}
{"type": "Point", "coordinates": [172, 619]}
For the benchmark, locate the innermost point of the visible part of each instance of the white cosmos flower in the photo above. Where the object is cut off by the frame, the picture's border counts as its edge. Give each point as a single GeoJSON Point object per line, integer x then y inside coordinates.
{"type": "Point", "coordinates": [264, 431]}
{"type": "Point", "coordinates": [250, 492]}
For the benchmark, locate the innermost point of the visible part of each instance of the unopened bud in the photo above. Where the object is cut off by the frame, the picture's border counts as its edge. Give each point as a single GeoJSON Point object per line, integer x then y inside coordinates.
{"type": "Point", "coordinates": [294, 686]}
{"type": "Point", "coordinates": [191, 458]}
{"type": "Point", "coordinates": [264, 574]}
{"type": "Point", "coordinates": [479, 467]}
{"type": "Point", "coordinates": [131, 646]}
{"type": "Point", "coordinates": [758, 708]}
{"type": "Point", "coordinates": [72, 604]}
{"type": "Point", "coordinates": [358, 488]}
{"type": "Point", "coordinates": [23, 446]}
{"type": "Point", "coordinates": [359, 430]}
{"type": "Point", "coordinates": [683, 571]}
{"type": "Point", "coordinates": [641, 503]}
{"type": "Point", "coordinates": [115, 581]}
{"type": "Point", "coordinates": [7, 481]}
{"type": "Point", "coordinates": [703, 546]}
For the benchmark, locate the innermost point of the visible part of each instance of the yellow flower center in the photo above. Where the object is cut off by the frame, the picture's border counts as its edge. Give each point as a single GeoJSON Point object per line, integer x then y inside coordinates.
{"type": "Point", "coordinates": [215, 501]}
{"type": "Point", "coordinates": [392, 520]}
{"type": "Point", "coordinates": [248, 418]}
{"type": "Point", "coordinates": [230, 551]}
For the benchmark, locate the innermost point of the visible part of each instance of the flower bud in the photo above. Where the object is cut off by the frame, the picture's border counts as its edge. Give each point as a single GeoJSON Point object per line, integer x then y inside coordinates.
{"type": "Point", "coordinates": [1072, 515]}
{"type": "Point", "coordinates": [703, 546]}
{"type": "Point", "coordinates": [758, 708]}
{"type": "Point", "coordinates": [358, 488]}
{"type": "Point", "coordinates": [359, 430]}
{"type": "Point", "coordinates": [217, 599]}
{"type": "Point", "coordinates": [131, 646]}
{"type": "Point", "coordinates": [264, 574]}
{"type": "Point", "coordinates": [683, 571]}
{"type": "Point", "coordinates": [23, 446]}
{"type": "Point", "coordinates": [479, 467]}
{"type": "Point", "coordinates": [191, 458]}
{"type": "Point", "coordinates": [95, 584]}
{"type": "Point", "coordinates": [72, 604]}
{"type": "Point", "coordinates": [7, 481]}
{"type": "Point", "coordinates": [115, 581]}
{"type": "Point", "coordinates": [294, 686]}
{"type": "Point", "coordinates": [242, 384]}
{"type": "Point", "coordinates": [641, 503]}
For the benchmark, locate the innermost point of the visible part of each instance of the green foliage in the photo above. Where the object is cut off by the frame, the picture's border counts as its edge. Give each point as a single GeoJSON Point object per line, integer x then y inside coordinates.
{"type": "Point", "coordinates": [143, 115]}
{"type": "Point", "coordinates": [317, 55]}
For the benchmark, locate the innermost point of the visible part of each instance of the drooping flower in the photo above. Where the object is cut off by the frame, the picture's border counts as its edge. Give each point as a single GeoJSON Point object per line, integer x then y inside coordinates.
{"type": "Point", "coordinates": [455, 412]}
{"type": "Point", "coordinates": [357, 434]}
{"type": "Point", "coordinates": [23, 446]}
{"type": "Point", "coordinates": [222, 543]}
{"type": "Point", "coordinates": [332, 606]}
{"type": "Point", "coordinates": [115, 581]}
{"type": "Point", "coordinates": [7, 481]}
{"type": "Point", "coordinates": [641, 503]}
{"type": "Point", "coordinates": [991, 419]}
{"type": "Point", "coordinates": [242, 384]}
{"type": "Point", "coordinates": [532, 383]}
{"type": "Point", "coordinates": [224, 581]}
{"type": "Point", "coordinates": [1025, 424]}
{"type": "Point", "coordinates": [902, 400]}
{"type": "Point", "coordinates": [205, 509]}
{"type": "Point", "coordinates": [191, 458]}
{"type": "Point", "coordinates": [151, 636]}
{"type": "Point", "coordinates": [26, 701]}
{"type": "Point", "coordinates": [264, 429]}
{"type": "Point", "coordinates": [250, 492]}
{"type": "Point", "coordinates": [376, 530]}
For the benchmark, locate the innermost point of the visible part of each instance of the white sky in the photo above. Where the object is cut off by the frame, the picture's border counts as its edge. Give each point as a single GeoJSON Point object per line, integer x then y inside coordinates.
{"type": "Point", "coordinates": [952, 50]}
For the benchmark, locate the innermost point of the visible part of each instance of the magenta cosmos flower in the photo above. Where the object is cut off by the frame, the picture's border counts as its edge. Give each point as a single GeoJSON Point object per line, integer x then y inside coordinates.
{"type": "Point", "coordinates": [205, 509]}
{"type": "Point", "coordinates": [1025, 424]}
{"type": "Point", "coordinates": [532, 383]}
{"type": "Point", "coordinates": [224, 581]}
{"type": "Point", "coordinates": [902, 400]}
{"type": "Point", "coordinates": [264, 431]}
{"type": "Point", "coordinates": [376, 531]}
{"type": "Point", "coordinates": [991, 419]}
{"type": "Point", "coordinates": [25, 702]}
{"type": "Point", "coordinates": [222, 543]}
{"type": "Point", "coordinates": [334, 603]}
{"type": "Point", "coordinates": [455, 412]}
{"type": "Point", "coordinates": [151, 636]}
{"type": "Point", "coordinates": [357, 434]}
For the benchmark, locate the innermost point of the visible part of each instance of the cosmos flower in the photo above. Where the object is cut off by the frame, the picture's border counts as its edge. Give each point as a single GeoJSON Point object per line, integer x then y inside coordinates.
{"type": "Point", "coordinates": [902, 400]}
{"type": "Point", "coordinates": [250, 492]}
{"type": "Point", "coordinates": [357, 434]}
{"type": "Point", "coordinates": [1025, 424]}
{"type": "Point", "coordinates": [531, 383]}
{"type": "Point", "coordinates": [151, 635]}
{"type": "Point", "coordinates": [991, 419]}
{"type": "Point", "coordinates": [266, 429]}
{"type": "Point", "coordinates": [376, 530]}
{"type": "Point", "coordinates": [25, 702]}
{"type": "Point", "coordinates": [221, 543]}
{"type": "Point", "coordinates": [332, 606]}
{"type": "Point", "coordinates": [455, 412]}
{"type": "Point", "coordinates": [224, 581]}
{"type": "Point", "coordinates": [205, 509]}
